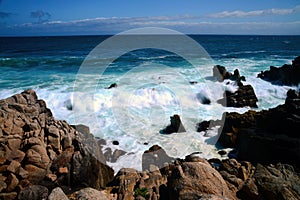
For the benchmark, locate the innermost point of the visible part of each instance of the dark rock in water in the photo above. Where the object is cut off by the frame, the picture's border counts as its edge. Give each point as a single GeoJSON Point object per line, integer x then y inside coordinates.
{"type": "Point", "coordinates": [39, 150]}
{"type": "Point", "coordinates": [113, 85]}
{"type": "Point", "coordinates": [203, 126]}
{"type": "Point", "coordinates": [115, 142]}
{"type": "Point", "coordinates": [176, 126]}
{"type": "Point", "coordinates": [68, 104]}
{"type": "Point", "coordinates": [193, 82]}
{"type": "Point", "coordinates": [220, 73]}
{"type": "Point", "coordinates": [267, 136]}
{"type": "Point", "coordinates": [203, 99]}
{"type": "Point", "coordinates": [155, 156]}
{"type": "Point", "coordinates": [284, 75]}
{"type": "Point", "coordinates": [222, 152]}
{"type": "Point", "coordinates": [244, 96]}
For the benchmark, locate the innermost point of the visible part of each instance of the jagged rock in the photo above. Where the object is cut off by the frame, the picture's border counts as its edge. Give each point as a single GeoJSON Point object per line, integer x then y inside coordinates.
{"type": "Point", "coordinates": [125, 181]}
{"type": "Point", "coordinates": [34, 146]}
{"type": "Point", "coordinates": [220, 73]}
{"type": "Point", "coordinates": [155, 156]}
{"type": "Point", "coordinates": [285, 75]}
{"type": "Point", "coordinates": [244, 96]}
{"type": "Point", "coordinates": [176, 126]}
{"type": "Point", "coordinates": [57, 193]}
{"type": "Point", "coordinates": [273, 132]}
{"type": "Point", "coordinates": [192, 180]}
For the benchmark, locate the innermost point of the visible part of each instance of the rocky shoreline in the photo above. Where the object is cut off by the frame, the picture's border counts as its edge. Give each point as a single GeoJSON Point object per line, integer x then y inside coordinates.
{"type": "Point", "coordinates": [45, 158]}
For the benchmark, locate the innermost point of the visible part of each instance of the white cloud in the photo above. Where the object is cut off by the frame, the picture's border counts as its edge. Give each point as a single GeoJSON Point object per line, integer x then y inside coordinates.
{"type": "Point", "coordinates": [185, 24]}
{"type": "Point", "coordinates": [239, 13]}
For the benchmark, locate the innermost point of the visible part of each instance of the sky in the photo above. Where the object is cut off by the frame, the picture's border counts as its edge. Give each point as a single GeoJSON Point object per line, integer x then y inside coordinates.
{"type": "Point", "coordinates": [95, 17]}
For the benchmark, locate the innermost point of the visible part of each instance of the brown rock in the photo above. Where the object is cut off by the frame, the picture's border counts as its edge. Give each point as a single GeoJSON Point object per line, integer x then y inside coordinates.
{"type": "Point", "coordinates": [63, 170]}
{"type": "Point", "coordinates": [14, 143]}
{"type": "Point", "coordinates": [13, 166]}
{"type": "Point", "coordinates": [22, 173]}
{"type": "Point", "coordinates": [90, 193]}
{"type": "Point", "coordinates": [51, 177]}
{"type": "Point", "coordinates": [16, 155]}
{"type": "Point", "coordinates": [3, 185]}
{"type": "Point", "coordinates": [36, 174]}
{"type": "Point", "coordinates": [191, 180]}
{"type": "Point", "coordinates": [126, 180]}
{"type": "Point", "coordinates": [37, 155]}
{"type": "Point", "coordinates": [12, 182]}
{"type": "Point", "coordinates": [8, 196]}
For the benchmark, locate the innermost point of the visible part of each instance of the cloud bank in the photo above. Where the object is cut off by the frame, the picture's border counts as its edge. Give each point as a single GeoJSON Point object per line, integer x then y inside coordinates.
{"type": "Point", "coordinates": [240, 14]}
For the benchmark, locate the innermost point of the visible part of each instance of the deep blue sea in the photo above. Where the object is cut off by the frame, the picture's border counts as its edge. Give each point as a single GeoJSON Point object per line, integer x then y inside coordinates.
{"type": "Point", "coordinates": [153, 84]}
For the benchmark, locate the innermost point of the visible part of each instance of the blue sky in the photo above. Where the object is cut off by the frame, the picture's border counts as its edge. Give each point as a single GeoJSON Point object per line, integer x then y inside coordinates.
{"type": "Point", "coordinates": [90, 17]}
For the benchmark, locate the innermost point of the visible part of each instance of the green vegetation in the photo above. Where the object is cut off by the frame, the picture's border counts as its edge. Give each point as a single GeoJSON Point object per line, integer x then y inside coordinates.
{"type": "Point", "coordinates": [142, 192]}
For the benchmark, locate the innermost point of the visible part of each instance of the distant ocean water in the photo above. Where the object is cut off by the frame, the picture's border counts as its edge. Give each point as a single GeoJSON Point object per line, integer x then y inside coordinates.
{"type": "Point", "coordinates": [49, 65]}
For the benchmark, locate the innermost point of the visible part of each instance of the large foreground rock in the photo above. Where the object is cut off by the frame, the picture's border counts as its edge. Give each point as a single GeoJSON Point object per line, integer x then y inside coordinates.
{"type": "Point", "coordinates": [195, 180]}
{"type": "Point", "coordinates": [288, 74]}
{"type": "Point", "coordinates": [36, 149]}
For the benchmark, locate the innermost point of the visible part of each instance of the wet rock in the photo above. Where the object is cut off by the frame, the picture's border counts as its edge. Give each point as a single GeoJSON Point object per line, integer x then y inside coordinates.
{"type": "Point", "coordinates": [288, 74]}
{"type": "Point", "coordinates": [244, 96]}
{"type": "Point", "coordinates": [113, 85]}
{"type": "Point", "coordinates": [176, 126]}
{"type": "Point", "coordinates": [220, 73]}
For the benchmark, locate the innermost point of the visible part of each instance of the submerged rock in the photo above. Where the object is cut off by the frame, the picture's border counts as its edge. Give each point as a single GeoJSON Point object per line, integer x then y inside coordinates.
{"type": "Point", "coordinates": [288, 74]}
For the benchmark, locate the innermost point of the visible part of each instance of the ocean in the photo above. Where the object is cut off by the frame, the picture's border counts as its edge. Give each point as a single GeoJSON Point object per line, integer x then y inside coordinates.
{"type": "Point", "coordinates": [152, 85]}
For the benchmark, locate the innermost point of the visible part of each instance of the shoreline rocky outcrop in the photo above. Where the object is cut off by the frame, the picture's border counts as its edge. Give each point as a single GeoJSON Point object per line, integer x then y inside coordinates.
{"type": "Point", "coordinates": [244, 96]}
{"type": "Point", "coordinates": [287, 74]}
{"type": "Point", "coordinates": [36, 149]}
{"type": "Point", "coordinates": [44, 158]}
{"type": "Point", "coordinates": [268, 136]}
